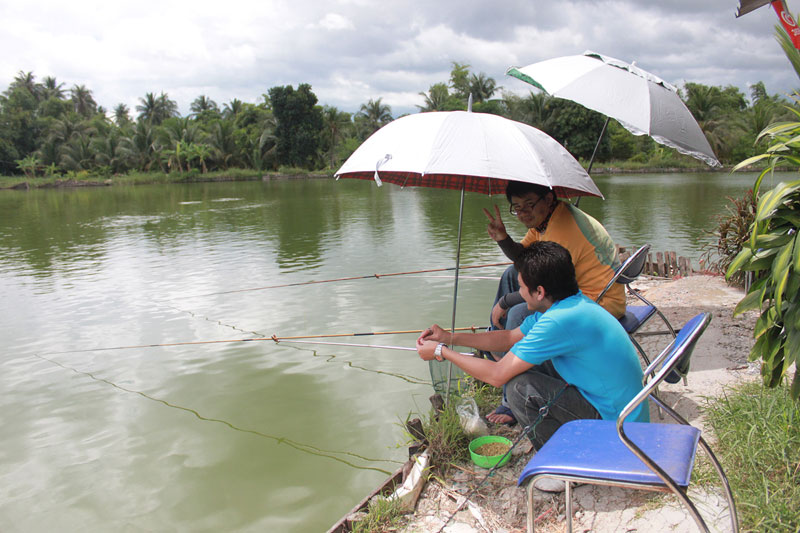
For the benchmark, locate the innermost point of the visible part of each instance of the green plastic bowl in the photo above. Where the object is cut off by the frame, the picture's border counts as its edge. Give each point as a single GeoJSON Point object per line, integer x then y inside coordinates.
{"type": "Point", "coordinates": [488, 461]}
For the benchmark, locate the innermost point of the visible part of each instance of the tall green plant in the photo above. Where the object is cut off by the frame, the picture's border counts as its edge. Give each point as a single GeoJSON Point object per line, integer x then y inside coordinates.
{"type": "Point", "coordinates": [773, 255]}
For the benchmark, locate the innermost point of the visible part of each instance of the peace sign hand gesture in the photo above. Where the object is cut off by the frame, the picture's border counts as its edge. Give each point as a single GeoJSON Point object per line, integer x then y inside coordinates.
{"type": "Point", "coordinates": [496, 228]}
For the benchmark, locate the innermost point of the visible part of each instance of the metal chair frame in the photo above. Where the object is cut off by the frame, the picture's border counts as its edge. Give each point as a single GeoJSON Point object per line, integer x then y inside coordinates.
{"type": "Point", "coordinates": [661, 441]}
{"type": "Point", "coordinates": [627, 273]}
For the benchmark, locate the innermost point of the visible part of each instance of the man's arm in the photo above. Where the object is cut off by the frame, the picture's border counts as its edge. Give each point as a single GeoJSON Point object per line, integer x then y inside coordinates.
{"type": "Point", "coordinates": [494, 373]}
{"type": "Point", "coordinates": [490, 341]}
{"type": "Point", "coordinates": [510, 247]}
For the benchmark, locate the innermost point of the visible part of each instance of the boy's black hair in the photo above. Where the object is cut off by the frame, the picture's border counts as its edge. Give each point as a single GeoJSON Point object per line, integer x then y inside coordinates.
{"type": "Point", "coordinates": [520, 188]}
{"type": "Point", "coordinates": [548, 264]}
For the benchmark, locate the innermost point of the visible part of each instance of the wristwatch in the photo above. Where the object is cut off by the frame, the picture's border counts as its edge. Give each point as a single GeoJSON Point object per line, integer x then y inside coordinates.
{"type": "Point", "coordinates": [437, 352]}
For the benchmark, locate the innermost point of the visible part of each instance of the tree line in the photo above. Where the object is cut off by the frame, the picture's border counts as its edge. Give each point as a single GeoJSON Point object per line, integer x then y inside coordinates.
{"type": "Point", "coordinates": [46, 129]}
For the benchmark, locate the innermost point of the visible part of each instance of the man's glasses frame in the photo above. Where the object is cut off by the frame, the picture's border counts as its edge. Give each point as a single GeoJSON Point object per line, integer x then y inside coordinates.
{"type": "Point", "coordinates": [527, 206]}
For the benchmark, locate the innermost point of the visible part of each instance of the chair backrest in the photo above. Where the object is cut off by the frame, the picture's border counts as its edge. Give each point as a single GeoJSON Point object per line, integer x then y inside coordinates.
{"type": "Point", "coordinates": [628, 271]}
{"type": "Point", "coordinates": [666, 362]}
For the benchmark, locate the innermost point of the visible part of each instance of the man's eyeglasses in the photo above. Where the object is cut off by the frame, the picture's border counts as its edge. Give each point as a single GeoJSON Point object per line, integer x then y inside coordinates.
{"type": "Point", "coordinates": [515, 209]}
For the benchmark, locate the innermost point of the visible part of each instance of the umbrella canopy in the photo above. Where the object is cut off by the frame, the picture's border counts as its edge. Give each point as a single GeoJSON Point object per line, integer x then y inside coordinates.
{"type": "Point", "coordinates": [466, 151]}
{"type": "Point", "coordinates": [643, 103]}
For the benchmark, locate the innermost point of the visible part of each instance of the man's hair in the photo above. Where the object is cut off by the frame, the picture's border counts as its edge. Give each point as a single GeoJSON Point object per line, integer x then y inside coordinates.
{"type": "Point", "coordinates": [548, 264]}
{"type": "Point", "coordinates": [520, 188]}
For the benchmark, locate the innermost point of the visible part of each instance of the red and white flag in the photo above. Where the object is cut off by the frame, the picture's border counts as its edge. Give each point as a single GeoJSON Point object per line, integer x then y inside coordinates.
{"type": "Point", "coordinates": [787, 21]}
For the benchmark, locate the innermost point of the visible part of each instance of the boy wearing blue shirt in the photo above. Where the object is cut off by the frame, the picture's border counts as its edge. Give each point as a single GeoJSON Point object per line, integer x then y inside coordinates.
{"type": "Point", "coordinates": [569, 341]}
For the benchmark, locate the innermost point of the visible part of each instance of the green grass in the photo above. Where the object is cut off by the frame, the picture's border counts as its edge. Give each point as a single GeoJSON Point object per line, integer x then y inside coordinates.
{"type": "Point", "coordinates": [383, 515]}
{"type": "Point", "coordinates": [486, 396]}
{"type": "Point", "coordinates": [447, 442]}
{"type": "Point", "coordinates": [758, 433]}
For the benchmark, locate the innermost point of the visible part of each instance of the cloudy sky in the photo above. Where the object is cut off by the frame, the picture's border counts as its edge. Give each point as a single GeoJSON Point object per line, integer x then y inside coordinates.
{"type": "Point", "coordinates": [354, 50]}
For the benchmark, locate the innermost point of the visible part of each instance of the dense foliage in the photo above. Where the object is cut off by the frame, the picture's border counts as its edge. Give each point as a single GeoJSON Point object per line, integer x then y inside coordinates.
{"type": "Point", "coordinates": [772, 254]}
{"type": "Point", "coordinates": [48, 130]}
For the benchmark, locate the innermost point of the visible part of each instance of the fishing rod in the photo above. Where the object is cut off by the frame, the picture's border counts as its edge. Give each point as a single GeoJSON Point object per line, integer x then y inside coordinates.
{"type": "Point", "coordinates": [351, 278]}
{"type": "Point", "coordinates": [473, 329]}
{"type": "Point", "coordinates": [405, 348]}
{"type": "Point", "coordinates": [273, 338]}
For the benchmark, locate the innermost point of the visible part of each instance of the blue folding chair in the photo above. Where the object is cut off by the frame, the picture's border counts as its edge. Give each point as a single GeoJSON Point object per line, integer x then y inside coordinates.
{"type": "Point", "coordinates": [647, 456]}
{"type": "Point", "coordinates": [636, 316]}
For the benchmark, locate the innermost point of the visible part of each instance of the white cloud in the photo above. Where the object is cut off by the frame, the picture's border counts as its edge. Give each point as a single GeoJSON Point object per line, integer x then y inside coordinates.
{"type": "Point", "coordinates": [353, 50]}
{"type": "Point", "coordinates": [334, 22]}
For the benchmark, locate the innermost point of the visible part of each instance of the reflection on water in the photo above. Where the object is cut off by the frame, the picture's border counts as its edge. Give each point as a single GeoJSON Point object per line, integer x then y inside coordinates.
{"type": "Point", "coordinates": [244, 435]}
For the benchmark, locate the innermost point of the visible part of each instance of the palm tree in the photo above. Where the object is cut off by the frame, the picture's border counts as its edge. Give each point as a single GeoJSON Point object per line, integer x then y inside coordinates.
{"type": "Point", "coordinates": [179, 130]}
{"type": "Point", "coordinates": [49, 153]}
{"type": "Point", "coordinates": [141, 146]}
{"type": "Point", "coordinates": [460, 79]}
{"type": "Point", "coordinates": [436, 99]}
{"type": "Point", "coordinates": [203, 103]}
{"type": "Point", "coordinates": [156, 109]}
{"type": "Point", "coordinates": [335, 122]}
{"type": "Point", "coordinates": [109, 151]}
{"type": "Point", "coordinates": [482, 87]}
{"type": "Point", "coordinates": [69, 127]}
{"type": "Point", "coordinates": [77, 154]}
{"type": "Point", "coordinates": [26, 80]}
{"type": "Point", "coordinates": [232, 109]}
{"type": "Point", "coordinates": [147, 108]}
{"type": "Point", "coordinates": [223, 144]}
{"type": "Point", "coordinates": [532, 109]}
{"type": "Point", "coordinates": [719, 115]}
{"type": "Point", "coordinates": [82, 100]}
{"type": "Point", "coordinates": [375, 114]}
{"type": "Point", "coordinates": [52, 89]}
{"type": "Point", "coordinates": [122, 115]}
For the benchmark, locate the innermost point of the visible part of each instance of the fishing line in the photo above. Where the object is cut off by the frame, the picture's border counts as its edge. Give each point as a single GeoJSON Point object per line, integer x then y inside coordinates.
{"type": "Point", "coordinates": [351, 278]}
{"type": "Point", "coordinates": [330, 357]}
{"type": "Point", "coordinates": [299, 446]}
{"type": "Point", "coordinates": [408, 379]}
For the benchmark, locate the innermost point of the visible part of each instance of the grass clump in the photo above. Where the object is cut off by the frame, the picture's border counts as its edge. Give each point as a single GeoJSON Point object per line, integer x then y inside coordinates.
{"type": "Point", "coordinates": [447, 442]}
{"type": "Point", "coordinates": [383, 515]}
{"type": "Point", "coordinates": [758, 430]}
{"type": "Point", "coordinates": [486, 396]}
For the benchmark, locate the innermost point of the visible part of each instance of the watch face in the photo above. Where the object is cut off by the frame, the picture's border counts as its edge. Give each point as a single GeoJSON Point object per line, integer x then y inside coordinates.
{"type": "Point", "coordinates": [437, 352]}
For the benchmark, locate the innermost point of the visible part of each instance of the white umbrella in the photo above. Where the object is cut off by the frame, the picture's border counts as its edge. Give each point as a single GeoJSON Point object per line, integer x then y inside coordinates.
{"type": "Point", "coordinates": [468, 152]}
{"type": "Point", "coordinates": [472, 151]}
{"type": "Point", "coordinates": [643, 103]}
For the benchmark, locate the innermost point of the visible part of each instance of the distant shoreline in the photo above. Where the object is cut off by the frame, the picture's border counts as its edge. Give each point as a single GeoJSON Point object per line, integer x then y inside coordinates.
{"type": "Point", "coordinates": [26, 183]}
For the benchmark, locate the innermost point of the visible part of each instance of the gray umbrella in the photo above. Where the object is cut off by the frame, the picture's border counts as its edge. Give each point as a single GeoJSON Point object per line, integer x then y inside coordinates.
{"type": "Point", "coordinates": [641, 102]}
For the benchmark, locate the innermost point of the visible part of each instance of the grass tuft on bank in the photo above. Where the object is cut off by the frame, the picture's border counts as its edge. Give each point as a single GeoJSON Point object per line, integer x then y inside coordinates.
{"type": "Point", "coordinates": [758, 433]}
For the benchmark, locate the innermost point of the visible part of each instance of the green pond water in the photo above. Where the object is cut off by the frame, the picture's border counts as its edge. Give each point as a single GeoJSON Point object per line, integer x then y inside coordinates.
{"type": "Point", "coordinates": [101, 433]}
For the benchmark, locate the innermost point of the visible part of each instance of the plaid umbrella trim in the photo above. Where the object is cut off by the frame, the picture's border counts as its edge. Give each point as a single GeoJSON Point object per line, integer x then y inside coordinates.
{"type": "Point", "coordinates": [479, 184]}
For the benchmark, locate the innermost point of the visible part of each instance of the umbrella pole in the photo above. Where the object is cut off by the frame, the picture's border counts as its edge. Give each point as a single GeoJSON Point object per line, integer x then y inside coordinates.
{"type": "Point", "coordinates": [594, 152]}
{"type": "Point", "coordinates": [597, 145]}
{"type": "Point", "coordinates": [455, 293]}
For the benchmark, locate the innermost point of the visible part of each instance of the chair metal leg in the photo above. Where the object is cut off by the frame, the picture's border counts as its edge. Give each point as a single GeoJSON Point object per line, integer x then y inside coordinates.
{"type": "Point", "coordinates": [531, 515]}
{"type": "Point", "coordinates": [725, 484]}
{"type": "Point", "coordinates": [717, 466]}
{"type": "Point", "coordinates": [568, 497]}
{"type": "Point", "coordinates": [681, 494]}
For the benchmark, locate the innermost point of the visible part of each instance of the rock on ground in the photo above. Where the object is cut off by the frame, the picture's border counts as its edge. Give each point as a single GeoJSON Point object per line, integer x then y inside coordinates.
{"type": "Point", "coordinates": [719, 360]}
